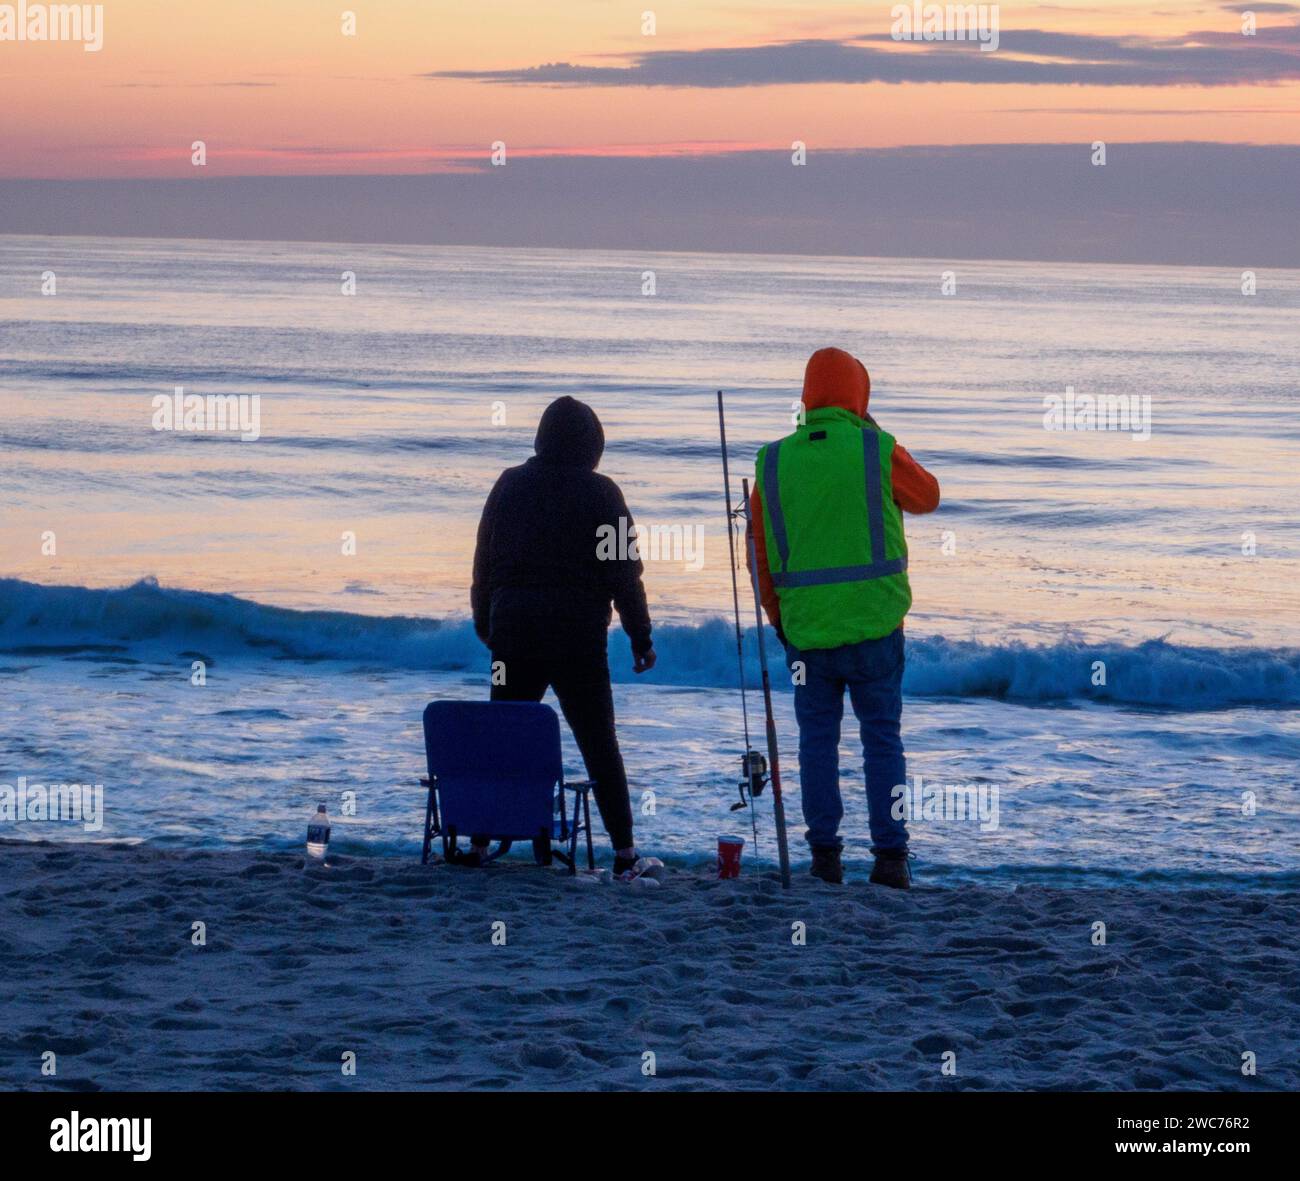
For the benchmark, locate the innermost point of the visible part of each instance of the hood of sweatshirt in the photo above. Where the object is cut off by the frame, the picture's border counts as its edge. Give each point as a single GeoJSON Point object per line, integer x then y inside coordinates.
{"type": "Point", "coordinates": [833, 377]}
{"type": "Point", "coordinates": [570, 433]}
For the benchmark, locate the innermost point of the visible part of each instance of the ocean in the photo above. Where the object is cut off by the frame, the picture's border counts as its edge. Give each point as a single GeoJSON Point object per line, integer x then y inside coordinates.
{"type": "Point", "coordinates": [1103, 645]}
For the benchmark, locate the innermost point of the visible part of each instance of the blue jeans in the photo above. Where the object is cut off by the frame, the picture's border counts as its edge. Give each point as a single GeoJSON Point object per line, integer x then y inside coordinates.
{"type": "Point", "coordinates": [872, 671]}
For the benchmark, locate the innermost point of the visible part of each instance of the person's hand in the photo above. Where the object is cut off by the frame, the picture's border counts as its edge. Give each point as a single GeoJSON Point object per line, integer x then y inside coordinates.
{"type": "Point", "coordinates": [643, 662]}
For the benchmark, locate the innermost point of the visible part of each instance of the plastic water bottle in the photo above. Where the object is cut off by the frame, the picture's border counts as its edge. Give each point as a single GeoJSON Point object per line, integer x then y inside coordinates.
{"type": "Point", "coordinates": [318, 833]}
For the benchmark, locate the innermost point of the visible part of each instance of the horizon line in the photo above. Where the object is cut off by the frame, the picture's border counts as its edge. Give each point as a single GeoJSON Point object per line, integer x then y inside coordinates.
{"type": "Point", "coordinates": [676, 150]}
{"type": "Point", "coordinates": [631, 250]}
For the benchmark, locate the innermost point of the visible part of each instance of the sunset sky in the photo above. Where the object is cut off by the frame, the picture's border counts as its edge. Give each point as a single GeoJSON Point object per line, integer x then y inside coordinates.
{"type": "Point", "coordinates": [277, 89]}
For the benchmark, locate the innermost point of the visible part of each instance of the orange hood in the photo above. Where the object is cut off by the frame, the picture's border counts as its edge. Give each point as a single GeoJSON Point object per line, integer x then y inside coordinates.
{"type": "Point", "coordinates": [836, 378]}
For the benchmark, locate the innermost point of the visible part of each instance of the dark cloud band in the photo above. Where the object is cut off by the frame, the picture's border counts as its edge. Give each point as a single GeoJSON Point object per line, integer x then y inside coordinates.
{"type": "Point", "coordinates": [1025, 57]}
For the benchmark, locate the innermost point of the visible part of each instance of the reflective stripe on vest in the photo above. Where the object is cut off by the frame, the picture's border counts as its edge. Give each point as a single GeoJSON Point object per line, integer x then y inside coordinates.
{"type": "Point", "coordinates": [880, 567]}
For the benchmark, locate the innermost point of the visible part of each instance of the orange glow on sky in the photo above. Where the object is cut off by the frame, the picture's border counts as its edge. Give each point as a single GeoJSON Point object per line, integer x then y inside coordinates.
{"type": "Point", "coordinates": [276, 88]}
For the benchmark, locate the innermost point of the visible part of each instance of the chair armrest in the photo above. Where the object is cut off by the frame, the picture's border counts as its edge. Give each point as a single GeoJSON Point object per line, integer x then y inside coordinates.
{"type": "Point", "coordinates": [581, 785]}
{"type": "Point", "coordinates": [424, 781]}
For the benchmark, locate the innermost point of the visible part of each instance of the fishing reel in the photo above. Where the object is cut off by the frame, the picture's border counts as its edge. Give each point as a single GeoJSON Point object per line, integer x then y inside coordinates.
{"type": "Point", "coordinates": [753, 769]}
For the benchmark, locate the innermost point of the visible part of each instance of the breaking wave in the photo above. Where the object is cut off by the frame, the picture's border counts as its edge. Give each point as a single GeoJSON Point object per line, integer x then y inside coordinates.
{"type": "Point", "coordinates": [148, 621]}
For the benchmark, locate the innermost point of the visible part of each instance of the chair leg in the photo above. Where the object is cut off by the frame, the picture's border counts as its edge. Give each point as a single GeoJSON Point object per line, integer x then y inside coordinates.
{"type": "Point", "coordinates": [428, 829]}
{"type": "Point", "coordinates": [586, 813]}
{"type": "Point", "coordinates": [503, 847]}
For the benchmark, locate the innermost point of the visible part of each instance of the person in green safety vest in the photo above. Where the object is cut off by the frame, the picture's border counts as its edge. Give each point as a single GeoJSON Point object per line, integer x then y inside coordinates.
{"type": "Point", "coordinates": [827, 512]}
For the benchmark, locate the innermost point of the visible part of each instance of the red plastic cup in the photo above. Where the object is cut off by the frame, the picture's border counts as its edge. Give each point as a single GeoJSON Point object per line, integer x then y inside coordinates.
{"type": "Point", "coordinates": [729, 856]}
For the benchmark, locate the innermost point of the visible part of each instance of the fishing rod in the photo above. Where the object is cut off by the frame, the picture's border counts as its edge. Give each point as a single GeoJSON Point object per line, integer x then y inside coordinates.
{"type": "Point", "coordinates": [755, 770]}
{"type": "Point", "coordinates": [753, 767]}
{"type": "Point", "coordinates": [778, 805]}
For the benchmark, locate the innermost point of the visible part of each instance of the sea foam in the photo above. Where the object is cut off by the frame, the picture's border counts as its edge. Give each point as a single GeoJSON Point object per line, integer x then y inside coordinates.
{"type": "Point", "coordinates": [150, 621]}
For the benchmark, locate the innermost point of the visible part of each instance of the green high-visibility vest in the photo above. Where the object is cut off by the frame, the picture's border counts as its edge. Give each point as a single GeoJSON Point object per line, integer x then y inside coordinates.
{"type": "Point", "coordinates": [835, 543]}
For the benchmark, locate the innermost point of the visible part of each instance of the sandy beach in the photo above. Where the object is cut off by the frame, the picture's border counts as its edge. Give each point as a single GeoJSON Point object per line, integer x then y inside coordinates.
{"type": "Point", "coordinates": [396, 963]}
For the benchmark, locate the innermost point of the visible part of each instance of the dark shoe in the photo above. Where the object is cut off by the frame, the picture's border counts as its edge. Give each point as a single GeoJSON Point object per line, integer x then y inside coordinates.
{"type": "Point", "coordinates": [827, 866]}
{"type": "Point", "coordinates": [470, 859]}
{"type": "Point", "coordinates": [623, 864]}
{"type": "Point", "coordinates": [891, 869]}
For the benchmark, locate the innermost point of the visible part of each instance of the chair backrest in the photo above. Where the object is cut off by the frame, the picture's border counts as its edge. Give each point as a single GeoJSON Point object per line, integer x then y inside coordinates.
{"type": "Point", "coordinates": [496, 764]}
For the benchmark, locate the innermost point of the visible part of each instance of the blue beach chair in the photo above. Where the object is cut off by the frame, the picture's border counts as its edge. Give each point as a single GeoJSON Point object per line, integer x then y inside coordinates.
{"type": "Point", "coordinates": [495, 770]}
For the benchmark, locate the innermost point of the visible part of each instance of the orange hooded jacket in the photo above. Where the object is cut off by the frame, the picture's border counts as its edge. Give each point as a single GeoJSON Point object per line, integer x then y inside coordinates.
{"type": "Point", "coordinates": [836, 378]}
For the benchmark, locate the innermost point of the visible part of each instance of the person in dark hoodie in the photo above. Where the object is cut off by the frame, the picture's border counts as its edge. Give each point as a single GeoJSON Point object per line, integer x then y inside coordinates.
{"type": "Point", "coordinates": [542, 592]}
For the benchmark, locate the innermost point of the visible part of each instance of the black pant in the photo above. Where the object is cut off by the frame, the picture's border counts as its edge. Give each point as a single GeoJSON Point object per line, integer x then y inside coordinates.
{"type": "Point", "coordinates": [582, 686]}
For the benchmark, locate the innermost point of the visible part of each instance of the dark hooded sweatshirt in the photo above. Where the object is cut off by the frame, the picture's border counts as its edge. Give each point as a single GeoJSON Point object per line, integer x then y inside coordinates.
{"type": "Point", "coordinates": [539, 588]}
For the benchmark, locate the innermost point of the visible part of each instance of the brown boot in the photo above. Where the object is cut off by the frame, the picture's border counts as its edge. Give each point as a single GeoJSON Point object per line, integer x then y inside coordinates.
{"type": "Point", "coordinates": [826, 865]}
{"type": "Point", "coordinates": [891, 869]}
